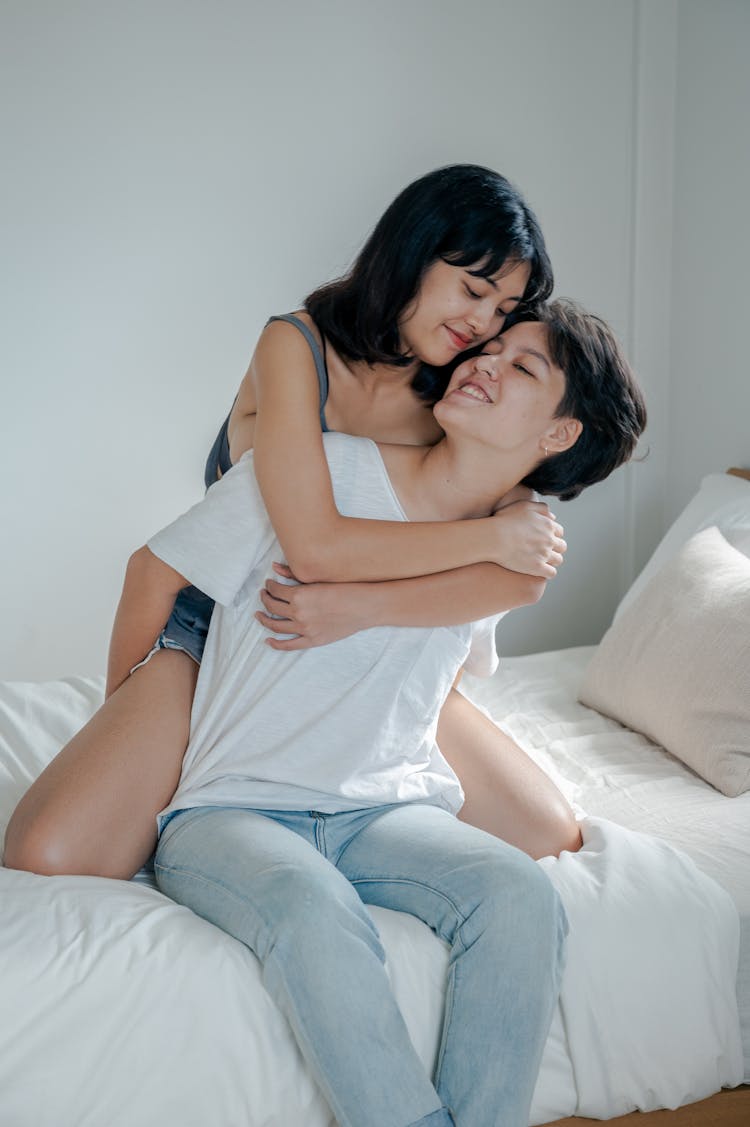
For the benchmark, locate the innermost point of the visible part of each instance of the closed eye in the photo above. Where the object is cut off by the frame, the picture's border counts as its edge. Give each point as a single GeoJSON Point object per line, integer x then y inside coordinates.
{"type": "Point", "coordinates": [526, 371]}
{"type": "Point", "coordinates": [471, 292]}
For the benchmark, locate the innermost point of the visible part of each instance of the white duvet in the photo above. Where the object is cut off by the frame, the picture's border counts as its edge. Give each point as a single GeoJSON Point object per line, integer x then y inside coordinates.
{"type": "Point", "coordinates": [122, 1009]}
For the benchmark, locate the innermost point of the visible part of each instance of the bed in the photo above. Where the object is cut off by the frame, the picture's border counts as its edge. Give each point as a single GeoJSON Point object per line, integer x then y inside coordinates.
{"type": "Point", "coordinates": [121, 1008]}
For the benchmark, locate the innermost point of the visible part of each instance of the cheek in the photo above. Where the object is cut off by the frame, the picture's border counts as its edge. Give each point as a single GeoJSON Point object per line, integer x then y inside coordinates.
{"type": "Point", "coordinates": [422, 314]}
{"type": "Point", "coordinates": [459, 301]}
{"type": "Point", "coordinates": [440, 303]}
{"type": "Point", "coordinates": [527, 406]}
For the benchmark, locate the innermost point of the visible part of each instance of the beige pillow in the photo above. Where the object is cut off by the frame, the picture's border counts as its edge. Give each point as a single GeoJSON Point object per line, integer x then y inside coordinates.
{"type": "Point", "coordinates": [676, 663]}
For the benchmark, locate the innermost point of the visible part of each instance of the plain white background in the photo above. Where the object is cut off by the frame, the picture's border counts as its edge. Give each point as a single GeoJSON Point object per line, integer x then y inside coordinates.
{"type": "Point", "coordinates": [174, 171]}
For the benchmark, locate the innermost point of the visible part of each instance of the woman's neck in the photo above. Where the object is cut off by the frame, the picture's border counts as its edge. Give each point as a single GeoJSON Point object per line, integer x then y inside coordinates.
{"type": "Point", "coordinates": [379, 402]}
{"type": "Point", "coordinates": [370, 376]}
{"type": "Point", "coordinates": [445, 482]}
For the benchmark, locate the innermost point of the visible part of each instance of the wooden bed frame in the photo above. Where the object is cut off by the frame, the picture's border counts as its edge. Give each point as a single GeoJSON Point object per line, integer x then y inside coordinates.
{"type": "Point", "coordinates": [728, 1108]}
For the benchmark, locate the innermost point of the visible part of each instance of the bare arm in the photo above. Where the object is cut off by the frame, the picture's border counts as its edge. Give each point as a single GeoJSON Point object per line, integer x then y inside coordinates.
{"type": "Point", "coordinates": [317, 613]}
{"type": "Point", "coordinates": [451, 598]}
{"type": "Point", "coordinates": [148, 595]}
{"type": "Point", "coordinates": [319, 543]}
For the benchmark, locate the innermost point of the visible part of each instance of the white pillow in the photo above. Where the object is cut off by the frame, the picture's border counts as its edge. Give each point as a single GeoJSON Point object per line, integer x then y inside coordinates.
{"type": "Point", "coordinates": [722, 500]}
{"type": "Point", "coordinates": [675, 665]}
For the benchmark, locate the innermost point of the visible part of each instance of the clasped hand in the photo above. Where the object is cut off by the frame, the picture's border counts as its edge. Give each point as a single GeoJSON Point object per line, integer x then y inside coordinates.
{"type": "Point", "coordinates": [530, 539]}
{"type": "Point", "coordinates": [314, 613]}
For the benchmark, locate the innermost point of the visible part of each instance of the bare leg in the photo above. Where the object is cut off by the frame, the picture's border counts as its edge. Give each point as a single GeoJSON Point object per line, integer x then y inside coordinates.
{"type": "Point", "coordinates": [93, 810]}
{"type": "Point", "coordinates": [506, 793]}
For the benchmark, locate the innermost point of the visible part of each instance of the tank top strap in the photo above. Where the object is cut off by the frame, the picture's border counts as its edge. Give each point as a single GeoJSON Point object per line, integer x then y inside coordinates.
{"type": "Point", "coordinates": [320, 364]}
{"type": "Point", "coordinates": [218, 458]}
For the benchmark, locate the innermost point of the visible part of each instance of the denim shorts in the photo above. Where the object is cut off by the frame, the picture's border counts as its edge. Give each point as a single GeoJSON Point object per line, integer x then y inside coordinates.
{"type": "Point", "coordinates": [187, 626]}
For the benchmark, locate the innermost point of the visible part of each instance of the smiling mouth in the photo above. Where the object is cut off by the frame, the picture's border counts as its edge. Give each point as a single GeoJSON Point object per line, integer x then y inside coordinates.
{"type": "Point", "coordinates": [459, 338]}
{"type": "Point", "coordinates": [475, 392]}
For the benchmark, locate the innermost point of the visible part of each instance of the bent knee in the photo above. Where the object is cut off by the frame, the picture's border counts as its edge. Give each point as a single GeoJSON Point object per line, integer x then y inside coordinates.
{"type": "Point", "coordinates": [30, 850]}
{"type": "Point", "coordinates": [514, 882]}
{"type": "Point", "coordinates": [561, 834]}
{"type": "Point", "coordinates": [565, 832]}
{"type": "Point", "coordinates": [38, 846]}
{"type": "Point", "coordinates": [570, 838]}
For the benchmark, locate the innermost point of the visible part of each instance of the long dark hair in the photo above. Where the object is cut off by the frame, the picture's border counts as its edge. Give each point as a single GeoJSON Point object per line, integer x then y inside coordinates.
{"type": "Point", "coordinates": [465, 214]}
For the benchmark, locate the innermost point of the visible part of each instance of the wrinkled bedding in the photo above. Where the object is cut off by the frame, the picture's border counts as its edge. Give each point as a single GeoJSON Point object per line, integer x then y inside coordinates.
{"type": "Point", "coordinates": [121, 1008]}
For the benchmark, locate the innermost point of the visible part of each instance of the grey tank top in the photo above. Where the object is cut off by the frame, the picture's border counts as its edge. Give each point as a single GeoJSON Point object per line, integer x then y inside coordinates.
{"type": "Point", "coordinates": [218, 459]}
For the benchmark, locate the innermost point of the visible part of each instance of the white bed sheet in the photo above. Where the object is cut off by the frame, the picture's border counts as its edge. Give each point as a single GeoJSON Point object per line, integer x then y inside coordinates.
{"type": "Point", "coordinates": [613, 773]}
{"type": "Point", "coordinates": [120, 1007]}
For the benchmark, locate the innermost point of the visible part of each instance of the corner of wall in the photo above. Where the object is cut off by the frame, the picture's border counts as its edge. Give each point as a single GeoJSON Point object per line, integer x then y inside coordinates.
{"type": "Point", "coordinates": [654, 109]}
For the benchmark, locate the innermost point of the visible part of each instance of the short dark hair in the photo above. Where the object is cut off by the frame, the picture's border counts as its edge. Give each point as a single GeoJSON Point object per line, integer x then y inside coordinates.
{"type": "Point", "coordinates": [600, 390]}
{"type": "Point", "coordinates": [463, 213]}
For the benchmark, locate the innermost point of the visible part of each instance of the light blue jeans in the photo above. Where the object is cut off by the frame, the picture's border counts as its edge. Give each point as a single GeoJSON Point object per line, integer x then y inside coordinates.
{"type": "Point", "coordinates": [292, 887]}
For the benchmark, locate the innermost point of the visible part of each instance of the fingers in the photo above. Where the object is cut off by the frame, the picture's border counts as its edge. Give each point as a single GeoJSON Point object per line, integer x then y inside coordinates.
{"type": "Point", "coordinates": [275, 625]}
{"type": "Point", "coordinates": [274, 606]}
{"type": "Point", "coordinates": [288, 644]}
{"type": "Point", "coordinates": [547, 563]}
{"type": "Point", "coordinates": [543, 570]}
{"type": "Point", "coordinates": [282, 569]}
{"type": "Point", "coordinates": [557, 529]}
{"type": "Point", "coordinates": [280, 617]}
{"type": "Point", "coordinates": [279, 591]}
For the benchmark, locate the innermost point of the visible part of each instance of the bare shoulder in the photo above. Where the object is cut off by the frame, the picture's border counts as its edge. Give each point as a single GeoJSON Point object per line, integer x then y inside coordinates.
{"type": "Point", "coordinates": [303, 316]}
{"type": "Point", "coordinates": [281, 348]}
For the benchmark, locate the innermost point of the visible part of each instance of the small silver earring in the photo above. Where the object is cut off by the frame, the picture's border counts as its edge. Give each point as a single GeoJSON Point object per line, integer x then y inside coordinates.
{"type": "Point", "coordinates": [546, 452]}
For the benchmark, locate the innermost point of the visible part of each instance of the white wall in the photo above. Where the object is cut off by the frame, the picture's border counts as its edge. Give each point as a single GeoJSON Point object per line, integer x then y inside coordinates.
{"type": "Point", "coordinates": [175, 171]}
{"type": "Point", "coordinates": [710, 369]}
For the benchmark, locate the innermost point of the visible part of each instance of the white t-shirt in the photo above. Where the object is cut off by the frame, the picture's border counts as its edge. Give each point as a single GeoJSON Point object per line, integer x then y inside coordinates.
{"type": "Point", "coordinates": [338, 727]}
